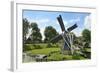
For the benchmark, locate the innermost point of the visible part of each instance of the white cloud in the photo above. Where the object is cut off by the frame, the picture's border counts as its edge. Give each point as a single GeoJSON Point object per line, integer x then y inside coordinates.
{"type": "Point", "coordinates": [39, 21]}
{"type": "Point", "coordinates": [74, 20]}
{"type": "Point", "coordinates": [69, 23]}
{"type": "Point", "coordinates": [78, 32]}
{"type": "Point", "coordinates": [87, 22]}
{"type": "Point", "coordinates": [43, 21]}
{"type": "Point", "coordinates": [65, 22]}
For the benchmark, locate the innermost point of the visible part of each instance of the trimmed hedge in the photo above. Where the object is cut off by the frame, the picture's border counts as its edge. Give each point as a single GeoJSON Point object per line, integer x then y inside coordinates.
{"type": "Point", "coordinates": [27, 47]}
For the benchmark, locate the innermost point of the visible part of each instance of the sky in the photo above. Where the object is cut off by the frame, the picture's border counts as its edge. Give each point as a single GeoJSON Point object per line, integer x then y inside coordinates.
{"type": "Point", "coordinates": [49, 18]}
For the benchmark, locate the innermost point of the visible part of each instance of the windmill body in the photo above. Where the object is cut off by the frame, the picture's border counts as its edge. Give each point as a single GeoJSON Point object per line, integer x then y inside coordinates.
{"type": "Point", "coordinates": [65, 35]}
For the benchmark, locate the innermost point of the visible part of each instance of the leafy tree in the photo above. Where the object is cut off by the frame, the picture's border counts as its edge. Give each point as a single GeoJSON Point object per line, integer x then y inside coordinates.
{"type": "Point", "coordinates": [25, 28]}
{"type": "Point", "coordinates": [86, 34]}
{"type": "Point", "coordinates": [79, 41]}
{"type": "Point", "coordinates": [36, 35]}
{"type": "Point", "coordinates": [49, 33]}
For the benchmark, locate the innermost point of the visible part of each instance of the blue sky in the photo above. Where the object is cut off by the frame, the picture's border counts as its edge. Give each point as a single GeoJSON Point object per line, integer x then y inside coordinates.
{"type": "Point", "coordinates": [47, 18]}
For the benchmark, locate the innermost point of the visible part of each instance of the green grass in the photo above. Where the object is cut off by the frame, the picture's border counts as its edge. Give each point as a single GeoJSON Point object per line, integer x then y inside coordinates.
{"type": "Point", "coordinates": [59, 57]}
{"type": "Point", "coordinates": [54, 53]}
{"type": "Point", "coordinates": [45, 51]}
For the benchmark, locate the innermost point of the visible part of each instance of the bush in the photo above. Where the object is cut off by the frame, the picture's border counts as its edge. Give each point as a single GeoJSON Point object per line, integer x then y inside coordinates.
{"type": "Point", "coordinates": [37, 47]}
{"type": "Point", "coordinates": [67, 57]}
{"type": "Point", "coordinates": [86, 45]}
{"type": "Point", "coordinates": [86, 52]}
{"type": "Point", "coordinates": [76, 57]}
{"type": "Point", "coordinates": [57, 45]}
{"type": "Point", "coordinates": [57, 56]}
{"type": "Point", "coordinates": [27, 47]}
{"type": "Point", "coordinates": [49, 45]}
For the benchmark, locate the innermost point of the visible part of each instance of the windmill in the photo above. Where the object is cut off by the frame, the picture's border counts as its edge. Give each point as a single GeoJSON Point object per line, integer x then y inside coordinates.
{"type": "Point", "coordinates": [65, 35]}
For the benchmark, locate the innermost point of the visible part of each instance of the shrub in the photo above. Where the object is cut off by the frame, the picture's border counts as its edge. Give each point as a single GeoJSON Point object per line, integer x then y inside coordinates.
{"type": "Point", "coordinates": [79, 56]}
{"type": "Point", "coordinates": [49, 45]}
{"type": "Point", "coordinates": [76, 57]}
{"type": "Point", "coordinates": [57, 45]}
{"type": "Point", "coordinates": [27, 47]}
{"type": "Point", "coordinates": [67, 57]}
{"type": "Point", "coordinates": [86, 45]}
{"type": "Point", "coordinates": [37, 47]}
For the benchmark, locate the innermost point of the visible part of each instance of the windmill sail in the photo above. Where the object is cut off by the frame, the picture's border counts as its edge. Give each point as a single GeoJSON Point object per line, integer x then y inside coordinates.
{"type": "Point", "coordinates": [68, 39]}
{"type": "Point", "coordinates": [56, 38]}
{"type": "Point", "coordinates": [72, 27]}
{"type": "Point", "coordinates": [61, 23]}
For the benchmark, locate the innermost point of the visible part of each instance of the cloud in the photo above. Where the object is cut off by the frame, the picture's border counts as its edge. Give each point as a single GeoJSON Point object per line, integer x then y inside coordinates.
{"type": "Point", "coordinates": [39, 21]}
{"type": "Point", "coordinates": [69, 23]}
{"type": "Point", "coordinates": [74, 20]}
{"type": "Point", "coordinates": [78, 32]}
{"type": "Point", "coordinates": [87, 22]}
{"type": "Point", "coordinates": [65, 22]}
{"type": "Point", "coordinates": [43, 21]}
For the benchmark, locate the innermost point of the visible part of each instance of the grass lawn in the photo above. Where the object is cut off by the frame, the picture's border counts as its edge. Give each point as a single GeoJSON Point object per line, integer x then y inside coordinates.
{"type": "Point", "coordinates": [53, 53]}
{"type": "Point", "coordinates": [45, 51]}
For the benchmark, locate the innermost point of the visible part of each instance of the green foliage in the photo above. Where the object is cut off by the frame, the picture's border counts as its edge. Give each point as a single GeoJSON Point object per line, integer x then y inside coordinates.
{"type": "Point", "coordinates": [36, 35]}
{"type": "Point", "coordinates": [67, 57]}
{"type": "Point", "coordinates": [50, 33]}
{"type": "Point", "coordinates": [57, 45]}
{"type": "Point", "coordinates": [54, 53]}
{"type": "Point", "coordinates": [87, 52]}
{"type": "Point", "coordinates": [57, 56]}
{"type": "Point", "coordinates": [43, 51]}
{"type": "Point", "coordinates": [67, 52]}
{"type": "Point", "coordinates": [86, 34]}
{"type": "Point", "coordinates": [27, 48]}
{"type": "Point", "coordinates": [29, 41]}
{"type": "Point", "coordinates": [82, 54]}
{"type": "Point", "coordinates": [37, 46]}
{"type": "Point", "coordinates": [25, 29]}
{"type": "Point", "coordinates": [25, 26]}
{"type": "Point", "coordinates": [76, 57]}
{"type": "Point", "coordinates": [49, 45]}
{"type": "Point", "coordinates": [86, 45]}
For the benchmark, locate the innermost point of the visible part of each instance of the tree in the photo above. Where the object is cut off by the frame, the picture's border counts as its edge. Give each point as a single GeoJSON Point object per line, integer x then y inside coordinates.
{"type": "Point", "coordinates": [36, 35]}
{"type": "Point", "coordinates": [25, 28]}
{"type": "Point", "coordinates": [86, 34]}
{"type": "Point", "coordinates": [49, 33]}
{"type": "Point", "coordinates": [79, 41]}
